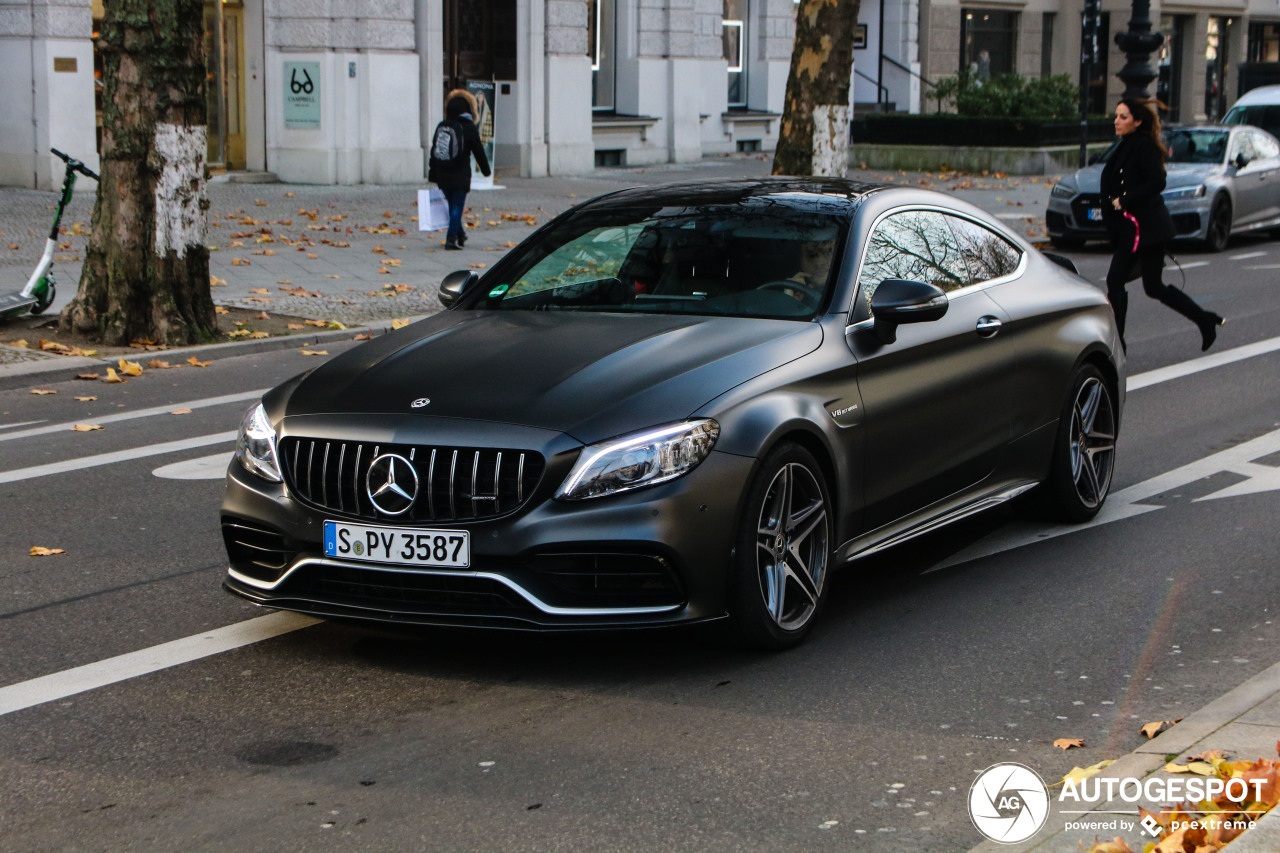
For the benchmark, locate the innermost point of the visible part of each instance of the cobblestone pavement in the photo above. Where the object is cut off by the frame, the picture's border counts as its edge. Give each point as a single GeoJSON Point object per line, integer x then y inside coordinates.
{"type": "Point", "coordinates": [354, 253]}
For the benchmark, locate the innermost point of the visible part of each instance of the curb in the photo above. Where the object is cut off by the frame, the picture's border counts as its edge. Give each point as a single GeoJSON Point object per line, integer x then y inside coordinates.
{"type": "Point", "coordinates": [1192, 732]}
{"type": "Point", "coordinates": [58, 369]}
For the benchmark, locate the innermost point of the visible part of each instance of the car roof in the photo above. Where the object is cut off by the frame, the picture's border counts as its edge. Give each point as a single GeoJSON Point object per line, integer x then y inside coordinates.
{"type": "Point", "coordinates": [838, 195]}
{"type": "Point", "coordinates": [1260, 95]}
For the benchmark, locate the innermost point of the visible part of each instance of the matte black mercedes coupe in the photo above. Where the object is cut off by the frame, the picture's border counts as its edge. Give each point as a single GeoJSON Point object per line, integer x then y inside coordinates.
{"type": "Point", "coordinates": [681, 404]}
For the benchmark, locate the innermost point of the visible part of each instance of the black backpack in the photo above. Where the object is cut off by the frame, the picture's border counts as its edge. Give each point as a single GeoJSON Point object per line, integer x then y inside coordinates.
{"type": "Point", "coordinates": [448, 149]}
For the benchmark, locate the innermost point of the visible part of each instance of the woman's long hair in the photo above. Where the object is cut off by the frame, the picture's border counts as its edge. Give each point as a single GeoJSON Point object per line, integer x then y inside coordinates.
{"type": "Point", "coordinates": [1147, 113]}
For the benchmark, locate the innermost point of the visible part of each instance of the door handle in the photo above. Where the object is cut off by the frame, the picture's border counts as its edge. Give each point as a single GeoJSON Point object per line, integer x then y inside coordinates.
{"type": "Point", "coordinates": [988, 326]}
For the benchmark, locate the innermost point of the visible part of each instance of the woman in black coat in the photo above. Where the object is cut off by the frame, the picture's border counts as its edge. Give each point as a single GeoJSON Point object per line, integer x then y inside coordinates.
{"type": "Point", "coordinates": [1138, 221]}
{"type": "Point", "coordinates": [454, 179]}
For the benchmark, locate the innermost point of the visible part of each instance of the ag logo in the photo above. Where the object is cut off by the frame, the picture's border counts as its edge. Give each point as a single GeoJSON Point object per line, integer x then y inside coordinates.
{"type": "Point", "coordinates": [1008, 803]}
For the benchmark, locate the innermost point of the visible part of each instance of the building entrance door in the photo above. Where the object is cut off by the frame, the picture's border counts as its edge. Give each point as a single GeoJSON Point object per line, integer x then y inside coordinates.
{"type": "Point", "coordinates": [224, 97]}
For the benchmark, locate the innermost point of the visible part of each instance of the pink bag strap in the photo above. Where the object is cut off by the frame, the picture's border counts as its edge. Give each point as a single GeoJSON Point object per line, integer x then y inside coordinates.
{"type": "Point", "coordinates": [1129, 216]}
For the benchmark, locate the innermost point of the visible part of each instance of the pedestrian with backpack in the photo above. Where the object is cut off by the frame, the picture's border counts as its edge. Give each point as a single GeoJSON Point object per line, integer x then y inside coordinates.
{"type": "Point", "coordinates": [455, 141]}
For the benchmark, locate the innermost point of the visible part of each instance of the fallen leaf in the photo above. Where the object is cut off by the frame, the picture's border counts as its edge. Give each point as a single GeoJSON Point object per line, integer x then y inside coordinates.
{"type": "Point", "coordinates": [1155, 728]}
{"type": "Point", "coordinates": [320, 323]}
{"type": "Point", "coordinates": [361, 337]}
{"type": "Point", "coordinates": [1117, 845]}
{"type": "Point", "coordinates": [478, 266]}
{"type": "Point", "coordinates": [38, 551]}
{"type": "Point", "coordinates": [263, 315]}
{"type": "Point", "coordinates": [295, 326]}
{"type": "Point", "coordinates": [113, 377]}
{"type": "Point", "coordinates": [130, 368]}
{"type": "Point", "coordinates": [86, 399]}
{"type": "Point", "coordinates": [41, 392]}
{"type": "Point", "coordinates": [21, 344]}
{"type": "Point", "coordinates": [195, 362]}
{"type": "Point", "coordinates": [260, 335]}
{"type": "Point", "coordinates": [180, 412]}
{"type": "Point", "coordinates": [259, 290]}
{"type": "Point", "coordinates": [313, 352]}
{"type": "Point", "coordinates": [218, 309]}
{"type": "Point", "coordinates": [85, 427]}
{"type": "Point", "coordinates": [88, 377]}
{"type": "Point", "coordinates": [1200, 768]}
{"type": "Point", "coordinates": [160, 364]}
{"type": "Point", "coordinates": [241, 262]}
{"type": "Point", "coordinates": [1079, 774]}
{"type": "Point", "coordinates": [1068, 742]}
{"type": "Point", "coordinates": [239, 333]}
{"type": "Point", "coordinates": [398, 323]}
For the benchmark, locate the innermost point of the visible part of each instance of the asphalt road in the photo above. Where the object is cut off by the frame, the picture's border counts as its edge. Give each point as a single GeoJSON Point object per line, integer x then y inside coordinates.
{"type": "Point", "coordinates": [931, 663]}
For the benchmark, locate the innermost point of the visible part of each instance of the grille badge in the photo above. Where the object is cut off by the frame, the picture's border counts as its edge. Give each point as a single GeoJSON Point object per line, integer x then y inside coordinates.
{"type": "Point", "coordinates": [391, 484]}
{"type": "Point", "coordinates": [420, 402]}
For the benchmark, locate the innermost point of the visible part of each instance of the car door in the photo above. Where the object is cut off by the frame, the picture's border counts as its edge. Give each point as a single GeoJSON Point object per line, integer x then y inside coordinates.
{"type": "Point", "coordinates": [1249, 180]}
{"type": "Point", "coordinates": [1264, 173]}
{"type": "Point", "coordinates": [935, 401]}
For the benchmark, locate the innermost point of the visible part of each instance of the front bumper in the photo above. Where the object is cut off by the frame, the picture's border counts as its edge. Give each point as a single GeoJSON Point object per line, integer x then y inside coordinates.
{"type": "Point", "coordinates": [1068, 219]}
{"type": "Point", "coordinates": [652, 557]}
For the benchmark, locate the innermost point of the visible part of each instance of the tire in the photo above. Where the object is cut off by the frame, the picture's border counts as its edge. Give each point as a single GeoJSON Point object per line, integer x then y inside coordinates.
{"type": "Point", "coordinates": [1067, 242]}
{"type": "Point", "coordinates": [1084, 452]}
{"type": "Point", "coordinates": [782, 554]}
{"type": "Point", "coordinates": [1218, 234]}
{"type": "Point", "coordinates": [43, 302]}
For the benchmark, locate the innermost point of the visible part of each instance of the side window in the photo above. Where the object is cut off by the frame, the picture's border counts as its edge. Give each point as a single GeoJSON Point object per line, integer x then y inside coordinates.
{"type": "Point", "coordinates": [1265, 146]}
{"type": "Point", "coordinates": [987, 254]}
{"type": "Point", "coordinates": [1242, 145]}
{"type": "Point", "coordinates": [916, 245]}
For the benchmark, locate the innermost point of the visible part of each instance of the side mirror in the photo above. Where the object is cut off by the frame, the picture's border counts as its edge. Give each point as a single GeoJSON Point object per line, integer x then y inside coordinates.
{"type": "Point", "coordinates": [897, 301]}
{"type": "Point", "coordinates": [1241, 160]}
{"type": "Point", "coordinates": [454, 285]}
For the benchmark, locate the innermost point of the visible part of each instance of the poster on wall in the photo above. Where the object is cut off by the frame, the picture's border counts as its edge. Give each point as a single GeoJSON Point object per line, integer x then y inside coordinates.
{"type": "Point", "coordinates": [483, 91]}
{"type": "Point", "coordinates": [302, 95]}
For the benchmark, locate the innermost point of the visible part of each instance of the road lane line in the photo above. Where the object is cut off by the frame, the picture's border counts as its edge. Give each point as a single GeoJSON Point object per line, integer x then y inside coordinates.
{"type": "Point", "coordinates": [116, 456]}
{"type": "Point", "coordinates": [212, 467]}
{"type": "Point", "coordinates": [1265, 267]}
{"type": "Point", "coordinates": [1245, 256]}
{"type": "Point", "coordinates": [23, 423]}
{"type": "Point", "coordinates": [225, 399]}
{"type": "Point", "coordinates": [60, 685]}
{"type": "Point", "coordinates": [1204, 362]}
{"type": "Point", "coordinates": [1192, 265]}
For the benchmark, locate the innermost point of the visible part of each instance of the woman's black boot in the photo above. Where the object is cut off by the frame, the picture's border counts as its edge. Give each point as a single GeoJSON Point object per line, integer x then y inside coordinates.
{"type": "Point", "coordinates": [1208, 323]}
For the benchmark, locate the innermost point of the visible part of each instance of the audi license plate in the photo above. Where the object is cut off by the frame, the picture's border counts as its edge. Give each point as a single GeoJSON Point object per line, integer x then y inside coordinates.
{"type": "Point", "coordinates": [1095, 214]}
{"type": "Point", "coordinates": [401, 545]}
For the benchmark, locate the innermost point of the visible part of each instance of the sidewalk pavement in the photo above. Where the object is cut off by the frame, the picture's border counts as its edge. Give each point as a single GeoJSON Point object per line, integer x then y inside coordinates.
{"type": "Point", "coordinates": [355, 255]}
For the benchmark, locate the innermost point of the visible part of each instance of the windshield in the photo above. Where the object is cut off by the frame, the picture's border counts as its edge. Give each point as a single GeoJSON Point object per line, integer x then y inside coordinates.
{"type": "Point", "coordinates": [761, 259]}
{"type": "Point", "coordinates": [1197, 145]}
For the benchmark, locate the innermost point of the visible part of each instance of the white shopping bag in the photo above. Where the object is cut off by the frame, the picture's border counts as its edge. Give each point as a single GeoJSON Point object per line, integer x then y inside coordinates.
{"type": "Point", "coordinates": [433, 210]}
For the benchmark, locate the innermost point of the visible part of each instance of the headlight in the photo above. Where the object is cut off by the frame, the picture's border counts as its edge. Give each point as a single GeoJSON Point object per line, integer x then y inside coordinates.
{"type": "Point", "coordinates": [644, 459]}
{"type": "Point", "coordinates": [1197, 191]}
{"type": "Point", "coordinates": [1062, 191]}
{"type": "Point", "coordinates": [256, 446]}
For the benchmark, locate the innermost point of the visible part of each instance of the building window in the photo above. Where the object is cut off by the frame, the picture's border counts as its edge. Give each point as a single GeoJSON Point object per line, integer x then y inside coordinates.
{"type": "Point", "coordinates": [600, 47]}
{"type": "Point", "coordinates": [734, 41]}
{"type": "Point", "coordinates": [1096, 85]}
{"type": "Point", "coordinates": [1215, 68]}
{"type": "Point", "coordinates": [988, 42]}
{"type": "Point", "coordinates": [1264, 42]}
{"type": "Point", "coordinates": [1169, 82]}
{"type": "Point", "coordinates": [1046, 43]}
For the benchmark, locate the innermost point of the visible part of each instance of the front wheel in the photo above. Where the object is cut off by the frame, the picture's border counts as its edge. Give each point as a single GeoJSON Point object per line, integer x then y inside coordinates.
{"type": "Point", "coordinates": [45, 299]}
{"type": "Point", "coordinates": [783, 551]}
{"type": "Point", "coordinates": [1219, 232]}
{"type": "Point", "coordinates": [1084, 451]}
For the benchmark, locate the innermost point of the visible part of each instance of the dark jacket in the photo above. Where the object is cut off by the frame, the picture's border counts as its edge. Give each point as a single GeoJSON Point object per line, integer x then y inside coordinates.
{"type": "Point", "coordinates": [458, 176]}
{"type": "Point", "coordinates": [1135, 175]}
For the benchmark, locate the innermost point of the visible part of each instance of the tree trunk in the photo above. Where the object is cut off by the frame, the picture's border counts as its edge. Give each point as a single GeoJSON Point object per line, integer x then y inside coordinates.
{"type": "Point", "coordinates": [814, 138]}
{"type": "Point", "coordinates": [146, 270]}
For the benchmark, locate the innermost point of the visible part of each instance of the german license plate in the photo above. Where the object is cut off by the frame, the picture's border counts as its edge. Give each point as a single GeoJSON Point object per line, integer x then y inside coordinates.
{"type": "Point", "coordinates": [1095, 214]}
{"type": "Point", "coordinates": [401, 545]}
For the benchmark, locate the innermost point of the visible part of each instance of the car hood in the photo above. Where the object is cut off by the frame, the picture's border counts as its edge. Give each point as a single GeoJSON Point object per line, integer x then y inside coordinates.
{"type": "Point", "coordinates": [592, 376]}
{"type": "Point", "coordinates": [1089, 179]}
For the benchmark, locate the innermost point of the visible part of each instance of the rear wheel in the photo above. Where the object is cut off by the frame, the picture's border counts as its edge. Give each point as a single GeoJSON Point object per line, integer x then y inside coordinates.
{"type": "Point", "coordinates": [1219, 232]}
{"type": "Point", "coordinates": [783, 551]}
{"type": "Point", "coordinates": [1083, 453]}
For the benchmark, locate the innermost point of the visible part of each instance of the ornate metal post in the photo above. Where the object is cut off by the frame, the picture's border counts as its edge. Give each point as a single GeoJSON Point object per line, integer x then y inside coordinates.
{"type": "Point", "coordinates": [1138, 43]}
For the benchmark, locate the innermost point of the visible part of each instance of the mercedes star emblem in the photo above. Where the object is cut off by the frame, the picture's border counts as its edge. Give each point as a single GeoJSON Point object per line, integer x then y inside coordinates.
{"type": "Point", "coordinates": [392, 484]}
{"type": "Point", "coordinates": [420, 402]}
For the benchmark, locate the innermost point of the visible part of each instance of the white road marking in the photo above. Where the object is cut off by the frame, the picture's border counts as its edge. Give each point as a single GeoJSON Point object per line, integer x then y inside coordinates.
{"type": "Point", "coordinates": [225, 399]}
{"type": "Point", "coordinates": [60, 685]}
{"type": "Point", "coordinates": [205, 468]}
{"type": "Point", "coordinates": [1265, 267]}
{"type": "Point", "coordinates": [1245, 256]}
{"type": "Point", "coordinates": [23, 423]}
{"type": "Point", "coordinates": [1194, 264]}
{"type": "Point", "coordinates": [1204, 362]}
{"type": "Point", "coordinates": [1135, 500]}
{"type": "Point", "coordinates": [116, 456]}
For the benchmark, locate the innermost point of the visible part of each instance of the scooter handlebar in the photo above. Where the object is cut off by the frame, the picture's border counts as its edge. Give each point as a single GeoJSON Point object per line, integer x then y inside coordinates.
{"type": "Point", "coordinates": [75, 164]}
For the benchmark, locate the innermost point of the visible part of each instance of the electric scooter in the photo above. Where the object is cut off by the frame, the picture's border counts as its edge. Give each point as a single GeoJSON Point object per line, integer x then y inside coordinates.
{"type": "Point", "coordinates": [38, 295]}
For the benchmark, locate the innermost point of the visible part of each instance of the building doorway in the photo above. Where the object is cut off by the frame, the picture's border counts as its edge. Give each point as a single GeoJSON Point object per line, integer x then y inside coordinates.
{"type": "Point", "coordinates": [224, 96]}
{"type": "Point", "coordinates": [479, 41]}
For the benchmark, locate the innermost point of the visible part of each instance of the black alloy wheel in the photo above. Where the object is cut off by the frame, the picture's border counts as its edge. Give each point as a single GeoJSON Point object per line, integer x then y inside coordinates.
{"type": "Point", "coordinates": [1084, 451]}
{"type": "Point", "coordinates": [783, 551]}
{"type": "Point", "coordinates": [1219, 232]}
